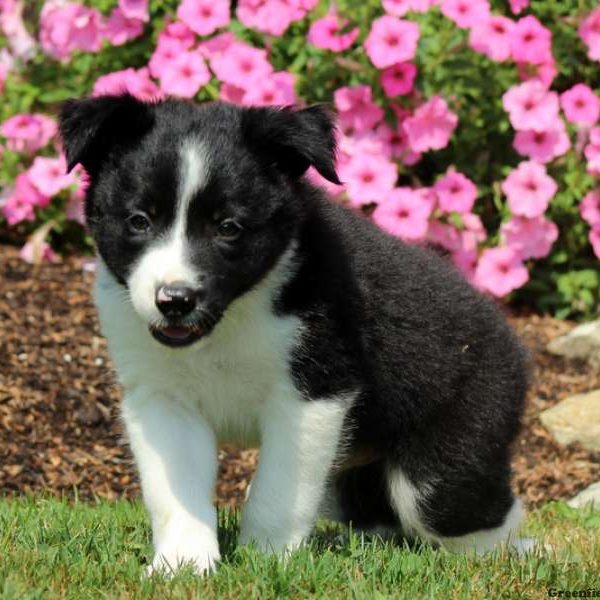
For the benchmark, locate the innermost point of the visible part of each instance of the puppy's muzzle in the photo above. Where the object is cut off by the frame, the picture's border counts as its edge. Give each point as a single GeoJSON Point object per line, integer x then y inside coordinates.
{"type": "Point", "coordinates": [177, 300]}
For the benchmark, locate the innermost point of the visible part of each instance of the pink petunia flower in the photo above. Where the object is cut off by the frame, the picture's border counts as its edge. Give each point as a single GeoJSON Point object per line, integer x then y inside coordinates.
{"type": "Point", "coordinates": [500, 271]}
{"type": "Point", "coordinates": [529, 189]}
{"type": "Point", "coordinates": [590, 208]}
{"type": "Point", "coordinates": [594, 238]}
{"type": "Point", "coordinates": [327, 33]}
{"type": "Point", "coordinates": [493, 38]}
{"type": "Point", "coordinates": [241, 65]}
{"type": "Point", "coordinates": [135, 9]}
{"type": "Point", "coordinates": [356, 109]}
{"type": "Point", "coordinates": [277, 88]}
{"type": "Point", "coordinates": [531, 106]}
{"type": "Point", "coordinates": [391, 41]}
{"type": "Point", "coordinates": [49, 175]}
{"type": "Point", "coordinates": [166, 51]}
{"type": "Point", "coordinates": [531, 41]}
{"type": "Point", "coordinates": [581, 105]}
{"type": "Point", "coordinates": [185, 75]}
{"type": "Point", "coordinates": [589, 31]}
{"type": "Point", "coordinates": [394, 144]}
{"type": "Point", "coordinates": [466, 13]}
{"type": "Point", "coordinates": [135, 82]}
{"type": "Point", "coordinates": [398, 8]}
{"type": "Point", "coordinates": [398, 80]}
{"type": "Point", "coordinates": [592, 152]}
{"type": "Point", "coordinates": [66, 27]}
{"type": "Point", "coordinates": [531, 238]}
{"type": "Point", "coordinates": [204, 16]}
{"type": "Point", "coordinates": [180, 32]}
{"type": "Point", "coordinates": [37, 253]}
{"type": "Point", "coordinates": [543, 146]}
{"type": "Point", "coordinates": [268, 16]}
{"type": "Point", "coordinates": [455, 193]}
{"type": "Point", "coordinates": [466, 263]}
{"type": "Point", "coordinates": [404, 213]}
{"type": "Point", "coordinates": [518, 6]}
{"type": "Point", "coordinates": [19, 206]}
{"type": "Point", "coordinates": [431, 126]}
{"type": "Point", "coordinates": [119, 29]}
{"type": "Point", "coordinates": [368, 178]}
{"type": "Point", "coordinates": [28, 132]}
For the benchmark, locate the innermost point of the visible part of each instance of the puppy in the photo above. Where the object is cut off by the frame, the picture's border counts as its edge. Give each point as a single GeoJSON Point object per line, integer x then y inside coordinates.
{"type": "Point", "coordinates": [241, 304]}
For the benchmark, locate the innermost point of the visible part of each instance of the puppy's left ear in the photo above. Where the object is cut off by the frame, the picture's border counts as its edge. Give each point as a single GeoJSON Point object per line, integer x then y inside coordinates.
{"type": "Point", "coordinates": [294, 139]}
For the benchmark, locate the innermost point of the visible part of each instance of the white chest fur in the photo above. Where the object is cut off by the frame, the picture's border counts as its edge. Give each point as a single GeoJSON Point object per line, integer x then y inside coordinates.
{"type": "Point", "coordinates": [226, 376]}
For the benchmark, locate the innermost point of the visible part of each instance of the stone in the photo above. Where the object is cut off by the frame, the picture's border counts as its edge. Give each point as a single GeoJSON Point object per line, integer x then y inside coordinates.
{"type": "Point", "coordinates": [591, 495]}
{"type": "Point", "coordinates": [575, 419]}
{"type": "Point", "coordinates": [581, 342]}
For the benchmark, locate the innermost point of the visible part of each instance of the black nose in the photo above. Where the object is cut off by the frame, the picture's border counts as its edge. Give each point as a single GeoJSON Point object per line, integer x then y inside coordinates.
{"type": "Point", "coordinates": [177, 299]}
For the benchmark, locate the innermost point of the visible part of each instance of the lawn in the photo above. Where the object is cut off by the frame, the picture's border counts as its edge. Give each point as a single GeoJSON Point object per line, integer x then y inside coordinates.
{"type": "Point", "coordinates": [51, 549]}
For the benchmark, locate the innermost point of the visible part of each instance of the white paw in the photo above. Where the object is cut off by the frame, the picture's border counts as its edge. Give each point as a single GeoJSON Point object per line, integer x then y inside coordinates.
{"type": "Point", "coordinates": [201, 552]}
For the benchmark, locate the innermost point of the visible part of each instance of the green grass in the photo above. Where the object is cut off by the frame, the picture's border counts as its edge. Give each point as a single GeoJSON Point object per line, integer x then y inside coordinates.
{"type": "Point", "coordinates": [51, 549]}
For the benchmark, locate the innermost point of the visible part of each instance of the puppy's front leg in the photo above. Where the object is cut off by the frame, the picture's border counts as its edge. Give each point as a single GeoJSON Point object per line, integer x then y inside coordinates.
{"type": "Point", "coordinates": [299, 442]}
{"type": "Point", "coordinates": [176, 455]}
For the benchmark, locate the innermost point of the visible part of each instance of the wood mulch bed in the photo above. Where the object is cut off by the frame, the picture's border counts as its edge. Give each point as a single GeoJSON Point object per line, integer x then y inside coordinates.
{"type": "Point", "coordinates": [59, 430]}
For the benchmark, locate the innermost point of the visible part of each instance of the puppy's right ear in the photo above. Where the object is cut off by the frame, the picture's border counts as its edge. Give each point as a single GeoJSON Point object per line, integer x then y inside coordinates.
{"type": "Point", "coordinates": [92, 128]}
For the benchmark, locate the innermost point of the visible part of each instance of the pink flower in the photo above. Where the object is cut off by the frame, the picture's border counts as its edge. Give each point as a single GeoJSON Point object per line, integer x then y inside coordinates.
{"type": "Point", "coordinates": [529, 189]}
{"type": "Point", "coordinates": [326, 33]}
{"type": "Point", "coordinates": [241, 65]}
{"type": "Point", "coordinates": [466, 262]}
{"type": "Point", "coordinates": [368, 178]}
{"type": "Point", "coordinates": [231, 93]}
{"type": "Point", "coordinates": [531, 106]}
{"type": "Point", "coordinates": [391, 41]}
{"type": "Point", "coordinates": [398, 8]}
{"type": "Point", "coordinates": [137, 83]}
{"type": "Point", "coordinates": [531, 238]}
{"type": "Point", "coordinates": [204, 16]}
{"type": "Point", "coordinates": [28, 132]}
{"type": "Point", "coordinates": [20, 42]}
{"type": "Point", "coordinates": [466, 13]}
{"type": "Point", "coordinates": [398, 80]}
{"type": "Point", "coordinates": [544, 72]}
{"type": "Point", "coordinates": [167, 49]}
{"type": "Point", "coordinates": [404, 214]}
{"type": "Point", "coordinates": [543, 146]}
{"type": "Point", "coordinates": [455, 193]}
{"type": "Point", "coordinates": [517, 6]}
{"type": "Point", "coordinates": [181, 32]}
{"type": "Point", "coordinates": [394, 144]}
{"type": "Point", "coordinates": [590, 208]}
{"type": "Point", "coordinates": [37, 253]}
{"type": "Point", "coordinates": [135, 9]}
{"type": "Point", "coordinates": [531, 41]}
{"type": "Point", "coordinates": [20, 205]}
{"type": "Point", "coordinates": [268, 16]}
{"type": "Point", "coordinates": [594, 238]}
{"type": "Point", "coordinates": [581, 105]}
{"type": "Point", "coordinates": [67, 27]}
{"type": "Point", "coordinates": [277, 88]}
{"type": "Point", "coordinates": [589, 30]}
{"type": "Point", "coordinates": [500, 271]}
{"type": "Point", "coordinates": [592, 152]}
{"type": "Point", "coordinates": [185, 75]}
{"type": "Point", "coordinates": [356, 108]}
{"type": "Point", "coordinates": [431, 126]}
{"type": "Point", "coordinates": [49, 175]}
{"type": "Point", "coordinates": [493, 37]}
{"type": "Point", "coordinates": [119, 29]}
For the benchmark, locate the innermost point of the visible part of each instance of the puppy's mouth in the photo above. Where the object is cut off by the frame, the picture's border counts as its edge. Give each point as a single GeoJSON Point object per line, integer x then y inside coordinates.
{"type": "Point", "coordinates": [177, 336]}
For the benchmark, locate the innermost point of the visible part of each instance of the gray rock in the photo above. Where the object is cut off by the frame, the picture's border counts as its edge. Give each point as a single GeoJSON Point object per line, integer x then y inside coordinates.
{"type": "Point", "coordinates": [575, 419]}
{"type": "Point", "coordinates": [591, 495]}
{"type": "Point", "coordinates": [582, 342]}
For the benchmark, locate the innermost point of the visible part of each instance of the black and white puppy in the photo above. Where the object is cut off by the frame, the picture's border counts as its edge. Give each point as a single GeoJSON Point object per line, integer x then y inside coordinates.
{"type": "Point", "coordinates": [241, 304]}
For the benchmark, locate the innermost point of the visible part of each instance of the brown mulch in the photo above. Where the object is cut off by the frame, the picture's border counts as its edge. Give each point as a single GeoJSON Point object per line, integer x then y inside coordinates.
{"type": "Point", "coordinates": [59, 429]}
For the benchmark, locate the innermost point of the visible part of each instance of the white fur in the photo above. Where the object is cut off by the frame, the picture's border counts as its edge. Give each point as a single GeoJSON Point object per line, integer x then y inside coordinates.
{"type": "Point", "coordinates": [166, 262]}
{"type": "Point", "coordinates": [406, 498]}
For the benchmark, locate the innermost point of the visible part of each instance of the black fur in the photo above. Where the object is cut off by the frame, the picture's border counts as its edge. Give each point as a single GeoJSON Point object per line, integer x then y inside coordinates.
{"type": "Point", "coordinates": [442, 377]}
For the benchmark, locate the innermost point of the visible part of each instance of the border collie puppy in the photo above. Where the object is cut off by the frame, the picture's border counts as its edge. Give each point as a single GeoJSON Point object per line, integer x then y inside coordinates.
{"type": "Point", "coordinates": [241, 304]}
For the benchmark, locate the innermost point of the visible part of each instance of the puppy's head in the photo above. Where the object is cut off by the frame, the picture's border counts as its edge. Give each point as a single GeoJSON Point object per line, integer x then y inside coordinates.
{"type": "Point", "coordinates": [190, 206]}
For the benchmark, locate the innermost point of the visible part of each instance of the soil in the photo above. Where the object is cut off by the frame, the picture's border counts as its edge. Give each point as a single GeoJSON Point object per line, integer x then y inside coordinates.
{"type": "Point", "coordinates": [59, 426]}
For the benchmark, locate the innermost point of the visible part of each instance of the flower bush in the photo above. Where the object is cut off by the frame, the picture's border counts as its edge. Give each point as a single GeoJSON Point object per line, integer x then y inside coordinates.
{"type": "Point", "coordinates": [469, 125]}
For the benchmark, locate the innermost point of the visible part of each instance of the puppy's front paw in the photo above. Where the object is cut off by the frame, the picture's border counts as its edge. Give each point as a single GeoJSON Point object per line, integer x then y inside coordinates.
{"type": "Point", "coordinates": [177, 551]}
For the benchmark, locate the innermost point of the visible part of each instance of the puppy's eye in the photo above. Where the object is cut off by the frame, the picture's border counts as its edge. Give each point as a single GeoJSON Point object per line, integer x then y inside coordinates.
{"type": "Point", "coordinates": [229, 230]}
{"type": "Point", "coordinates": [139, 223]}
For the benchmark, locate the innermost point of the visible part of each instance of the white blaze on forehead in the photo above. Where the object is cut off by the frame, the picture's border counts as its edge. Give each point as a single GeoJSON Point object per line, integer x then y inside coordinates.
{"type": "Point", "coordinates": [166, 261]}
